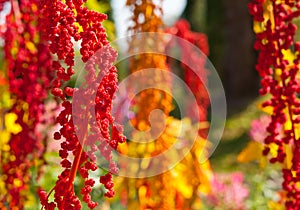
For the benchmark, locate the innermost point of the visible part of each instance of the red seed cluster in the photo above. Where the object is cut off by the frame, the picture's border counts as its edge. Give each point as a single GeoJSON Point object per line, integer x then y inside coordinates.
{"type": "Point", "coordinates": [66, 22]}
{"type": "Point", "coordinates": [28, 62]}
{"type": "Point", "coordinates": [279, 79]}
{"type": "Point", "coordinates": [195, 59]}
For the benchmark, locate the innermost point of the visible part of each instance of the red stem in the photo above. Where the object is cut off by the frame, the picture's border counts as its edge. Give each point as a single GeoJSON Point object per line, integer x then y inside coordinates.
{"type": "Point", "coordinates": [75, 167]}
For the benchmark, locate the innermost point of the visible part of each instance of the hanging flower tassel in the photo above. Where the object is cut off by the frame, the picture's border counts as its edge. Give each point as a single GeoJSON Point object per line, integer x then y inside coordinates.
{"type": "Point", "coordinates": [172, 189]}
{"type": "Point", "coordinates": [65, 22]}
{"type": "Point", "coordinates": [197, 85]}
{"type": "Point", "coordinates": [278, 65]}
{"type": "Point", "coordinates": [28, 63]}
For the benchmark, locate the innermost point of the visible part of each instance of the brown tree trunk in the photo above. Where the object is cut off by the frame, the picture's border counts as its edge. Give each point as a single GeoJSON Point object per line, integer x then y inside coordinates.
{"type": "Point", "coordinates": [238, 60]}
{"type": "Point", "coordinates": [229, 28]}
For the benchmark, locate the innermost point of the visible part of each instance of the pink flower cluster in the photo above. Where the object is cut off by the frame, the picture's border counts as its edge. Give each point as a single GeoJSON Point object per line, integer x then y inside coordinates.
{"type": "Point", "coordinates": [228, 191]}
{"type": "Point", "coordinates": [258, 128]}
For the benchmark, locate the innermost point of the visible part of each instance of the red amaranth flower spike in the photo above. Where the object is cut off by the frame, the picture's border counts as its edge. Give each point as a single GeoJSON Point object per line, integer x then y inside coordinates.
{"type": "Point", "coordinates": [28, 63]}
{"type": "Point", "coordinates": [182, 30]}
{"type": "Point", "coordinates": [64, 23]}
{"type": "Point", "coordinates": [279, 79]}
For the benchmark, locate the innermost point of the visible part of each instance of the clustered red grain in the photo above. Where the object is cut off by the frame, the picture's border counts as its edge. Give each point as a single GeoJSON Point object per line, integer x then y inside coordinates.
{"type": "Point", "coordinates": [28, 64]}
{"type": "Point", "coordinates": [67, 22]}
{"type": "Point", "coordinates": [279, 79]}
{"type": "Point", "coordinates": [195, 78]}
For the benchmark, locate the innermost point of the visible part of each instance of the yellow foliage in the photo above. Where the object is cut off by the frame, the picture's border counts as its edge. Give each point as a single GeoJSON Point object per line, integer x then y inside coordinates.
{"type": "Point", "coordinates": [275, 206]}
{"type": "Point", "coordinates": [182, 184]}
{"type": "Point", "coordinates": [17, 182]}
{"type": "Point", "coordinates": [289, 156]}
{"type": "Point", "coordinates": [267, 109]}
{"type": "Point", "coordinates": [187, 179]}
{"type": "Point", "coordinates": [10, 124]}
{"type": "Point", "coordinates": [2, 186]}
{"type": "Point", "coordinates": [30, 201]}
{"type": "Point", "coordinates": [259, 27]}
{"type": "Point", "coordinates": [288, 55]}
{"type": "Point", "coordinates": [4, 139]}
{"type": "Point", "coordinates": [253, 152]}
{"type": "Point", "coordinates": [10, 127]}
{"type": "Point", "coordinates": [31, 46]}
{"type": "Point", "coordinates": [297, 131]}
{"type": "Point", "coordinates": [95, 5]}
